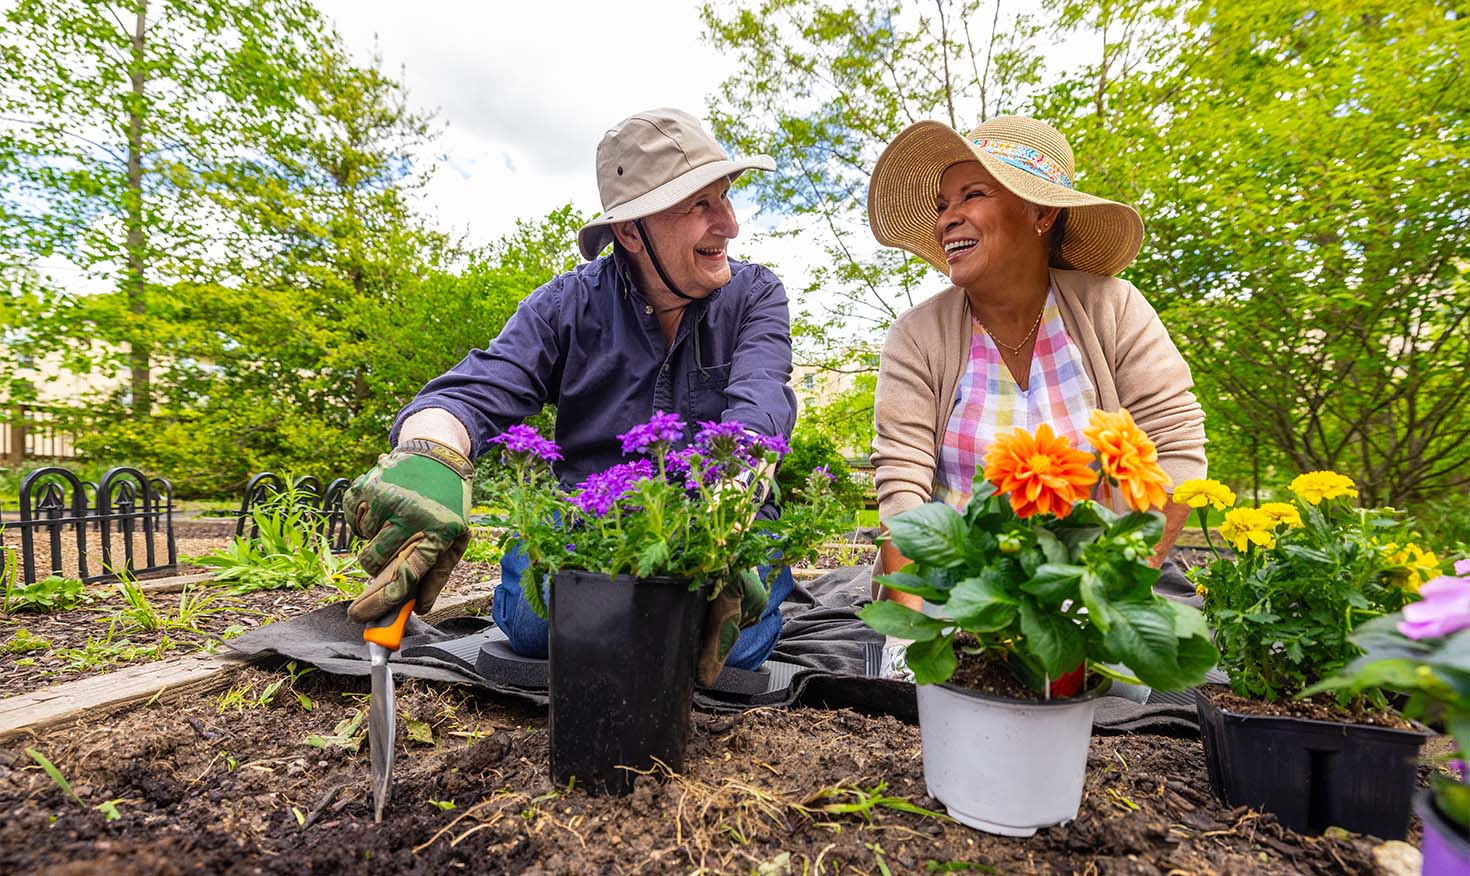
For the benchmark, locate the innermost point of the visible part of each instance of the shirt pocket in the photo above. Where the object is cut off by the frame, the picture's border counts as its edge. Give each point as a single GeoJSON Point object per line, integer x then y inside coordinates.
{"type": "Point", "coordinates": [707, 400]}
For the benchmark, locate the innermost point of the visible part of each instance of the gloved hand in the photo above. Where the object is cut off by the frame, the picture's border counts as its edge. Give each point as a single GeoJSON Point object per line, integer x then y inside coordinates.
{"type": "Point", "coordinates": [414, 506]}
{"type": "Point", "coordinates": [739, 605]}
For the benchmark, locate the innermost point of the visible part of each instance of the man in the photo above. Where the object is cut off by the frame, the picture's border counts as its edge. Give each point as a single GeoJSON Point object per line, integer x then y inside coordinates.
{"type": "Point", "coordinates": [666, 322]}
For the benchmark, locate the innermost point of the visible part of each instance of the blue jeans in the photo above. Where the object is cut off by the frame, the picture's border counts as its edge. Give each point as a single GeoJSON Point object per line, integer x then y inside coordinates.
{"type": "Point", "coordinates": [527, 632]}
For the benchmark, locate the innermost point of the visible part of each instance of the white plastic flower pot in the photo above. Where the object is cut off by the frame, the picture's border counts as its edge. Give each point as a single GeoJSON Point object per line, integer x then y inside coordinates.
{"type": "Point", "coordinates": [1005, 766]}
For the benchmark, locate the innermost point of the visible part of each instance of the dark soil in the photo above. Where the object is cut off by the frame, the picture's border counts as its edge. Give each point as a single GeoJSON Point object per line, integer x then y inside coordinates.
{"type": "Point", "coordinates": [1318, 708]}
{"type": "Point", "coordinates": [22, 672]}
{"type": "Point", "coordinates": [200, 791]}
{"type": "Point", "coordinates": [985, 674]}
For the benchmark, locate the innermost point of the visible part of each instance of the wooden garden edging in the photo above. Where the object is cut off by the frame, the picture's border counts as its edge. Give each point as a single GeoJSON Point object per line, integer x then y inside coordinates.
{"type": "Point", "coordinates": [164, 680]}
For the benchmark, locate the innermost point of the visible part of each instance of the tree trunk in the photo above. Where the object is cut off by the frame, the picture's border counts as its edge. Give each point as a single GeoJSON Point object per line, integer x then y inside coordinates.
{"type": "Point", "coordinates": [140, 352]}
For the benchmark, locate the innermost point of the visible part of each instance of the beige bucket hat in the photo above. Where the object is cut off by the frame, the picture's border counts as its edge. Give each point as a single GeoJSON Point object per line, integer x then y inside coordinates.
{"type": "Point", "coordinates": [651, 161]}
{"type": "Point", "coordinates": [1030, 158]}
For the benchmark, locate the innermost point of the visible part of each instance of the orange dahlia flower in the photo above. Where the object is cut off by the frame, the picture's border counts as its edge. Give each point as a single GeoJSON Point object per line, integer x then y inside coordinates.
{"type": "Point", "coordinates": [1042, 473]}
{"type": "Point", "coordinates": [1129, 457]}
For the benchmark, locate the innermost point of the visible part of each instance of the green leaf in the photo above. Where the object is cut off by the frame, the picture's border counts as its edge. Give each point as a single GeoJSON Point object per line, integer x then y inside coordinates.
{"type": "Point", "coordinates": [1052, 638]}
{"type": "Point", "coordinates": [1053, 582]}
{"type": "Point", "coordinates": [419, 731]}
{"type": "Point", "coordinates": [932, 534]}
{"type": "Point", "coordinates": [1149, 524]}
{"type": "Point", "coordinates": [1142, 637]}
{"type": "Point", "coordinates": [932, 661]}
{"type": "Point", "coordinates": [1094, 597]}
{"type": "Point", "coordinates": [654, 558]}
{"type": "Point", "coordinates": [982, 604]}
{"type": "Point", "coordinates": [1052, 547]}
{"type": "Point", "coordinates": [892, 619]}
{"type": "Point", "coordinates": [907, 582]}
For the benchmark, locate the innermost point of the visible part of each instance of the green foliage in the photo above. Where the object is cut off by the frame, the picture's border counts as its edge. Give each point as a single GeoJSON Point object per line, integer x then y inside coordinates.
{"type": "Point", "coordinates": [808, 451]}
{"type": "Point", "coordinates": [1283, 609]}
{"type": "Point", "coordinates": [52, 593]}
{"type": "Point", "coordinates": [1041, 594]}
{"type": "Point", "coordinates": [1298, 170]}
{"type": "Point", "coordinates": [24, 641]}
{"type": "Point", "coordinates": [852, 799]}
{"type": "Point", "coordinates": [138, 615]}
{"type": "Point", "coordinates": [289, 551]}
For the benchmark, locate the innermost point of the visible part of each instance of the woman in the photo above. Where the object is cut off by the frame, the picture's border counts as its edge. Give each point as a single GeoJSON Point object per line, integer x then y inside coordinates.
{"type": "Point", "coordinates": [1035, 327]}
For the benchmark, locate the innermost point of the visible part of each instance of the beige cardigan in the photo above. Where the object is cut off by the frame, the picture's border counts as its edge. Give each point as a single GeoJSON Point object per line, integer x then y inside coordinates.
{"type": "Point", "coordinates": [1127, 353]}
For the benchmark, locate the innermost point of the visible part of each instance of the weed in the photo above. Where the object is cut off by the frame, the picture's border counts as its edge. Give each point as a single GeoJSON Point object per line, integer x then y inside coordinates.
{"type": "Point", "coordinates": [289, 551]}
{"type": "Point", "coordinates": [108, 808]}
{"type": "Point", "coordinates": [55, 774]}
{"type": "Point", "coordinates": [956, 867]}
{"type": "Point", "coordinates": [481, 550]}
{"type": "Point", "coordinates": [52, 593]}
{"type": "Point", "coordinates": [97, 653]}
{"type": "Point", "coordinates": [442, 805]}
{"type": "Point", "coordinates": [23, 642]}
{"type": "Point", "coordinates": [864, 801]}
{"type": "Point", "coordinates": [348, 734]}
{"type": "Point", "coordinates": [139, 615]}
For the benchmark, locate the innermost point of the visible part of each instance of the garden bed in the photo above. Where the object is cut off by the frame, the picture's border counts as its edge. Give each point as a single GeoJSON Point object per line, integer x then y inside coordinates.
{"type": "Point", "coordinates": [222, 784]}
{"type": "Point", "coordinates": [77, 642]}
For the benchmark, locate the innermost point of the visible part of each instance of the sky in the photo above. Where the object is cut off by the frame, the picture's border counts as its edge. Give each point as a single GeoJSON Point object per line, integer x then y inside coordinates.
{"type": "Point", "coordinates": [524, 96]}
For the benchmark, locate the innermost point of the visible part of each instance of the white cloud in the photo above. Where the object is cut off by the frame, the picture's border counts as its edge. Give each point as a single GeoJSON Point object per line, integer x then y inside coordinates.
{"type": "Point", "coordinates": [527, 89]}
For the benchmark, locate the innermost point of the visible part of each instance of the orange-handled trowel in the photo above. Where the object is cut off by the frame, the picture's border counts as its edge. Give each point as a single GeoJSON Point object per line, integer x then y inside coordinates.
{"type": "Point", "coordinates": [383, 637]}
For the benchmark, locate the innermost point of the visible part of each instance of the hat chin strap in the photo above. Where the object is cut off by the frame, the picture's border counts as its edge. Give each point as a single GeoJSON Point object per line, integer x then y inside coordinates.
{"type": "Point", "coordinates": [657, 265]}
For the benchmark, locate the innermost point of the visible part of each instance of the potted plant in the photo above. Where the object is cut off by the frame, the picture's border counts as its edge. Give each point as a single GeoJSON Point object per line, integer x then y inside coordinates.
{"type": "Point", "coordinates": [1423, 653]}
{"type": "Point", "coordinates": [1306, 574]}
{"type": "Point", "coordinates": [634, 554]}
{"type": "Point", "coordinates": [1033, 594]}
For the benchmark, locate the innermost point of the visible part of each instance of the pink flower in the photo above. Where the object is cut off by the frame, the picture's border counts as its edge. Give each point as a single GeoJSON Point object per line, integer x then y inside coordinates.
{"type": "Point", "coordinates": [1443, 609]}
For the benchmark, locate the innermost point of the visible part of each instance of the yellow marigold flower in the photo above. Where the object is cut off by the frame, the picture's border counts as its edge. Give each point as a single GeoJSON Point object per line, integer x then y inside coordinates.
{"type": "Point", "coordinates": [1198, 493]}
{"type": "Point", "coordinates": [1246, 526]}
{"type": "Point", "coordinates": [1128, 456]}
{"type": "Point", "coordinates": [1314, 486]}
{"type": "Point", "coordinates": [1414, 565]}
{"type": "Point", "coordinates": [1282, 512]}
{"type": "Point", "coordinates": [1201, 591]}
{"type": "Point", "coordinates": [1044, 473]}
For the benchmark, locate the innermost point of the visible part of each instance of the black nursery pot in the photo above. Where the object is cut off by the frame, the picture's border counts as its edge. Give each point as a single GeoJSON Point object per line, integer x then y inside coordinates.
{"type": "Point", "coordinates": [621, 672]}
{"type": "Point", "coordinates": [1312, 774]}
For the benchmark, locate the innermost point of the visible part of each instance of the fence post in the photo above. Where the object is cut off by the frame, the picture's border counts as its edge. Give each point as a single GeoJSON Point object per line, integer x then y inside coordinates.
{"type": "Point", "coordinates": [16, 426]}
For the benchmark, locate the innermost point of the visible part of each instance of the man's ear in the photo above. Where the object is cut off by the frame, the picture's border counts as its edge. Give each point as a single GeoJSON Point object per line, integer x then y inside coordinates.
{"type": "Point", "coordinates": [627, 235]}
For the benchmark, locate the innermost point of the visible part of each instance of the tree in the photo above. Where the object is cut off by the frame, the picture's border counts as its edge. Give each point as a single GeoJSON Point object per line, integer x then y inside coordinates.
{"type": "Point", "coordinates": [114, 115]}
{"type": "Point", "coordinates": [1301, 172]}
{"type": "Point", "coordinates": [1304, 180]}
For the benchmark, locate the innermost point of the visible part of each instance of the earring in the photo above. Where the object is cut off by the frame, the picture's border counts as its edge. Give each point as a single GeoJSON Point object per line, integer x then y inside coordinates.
{"type": "Point", "coordinates": [1040, 230]}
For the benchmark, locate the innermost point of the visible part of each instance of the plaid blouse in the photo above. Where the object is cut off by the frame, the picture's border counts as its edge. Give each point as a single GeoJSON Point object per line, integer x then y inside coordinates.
{"type": "Point", "coordinates": [989, 402]}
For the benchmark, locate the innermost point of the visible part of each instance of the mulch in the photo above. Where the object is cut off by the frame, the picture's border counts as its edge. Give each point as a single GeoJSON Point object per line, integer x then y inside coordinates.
{"type": "Point", "coordinates": [24, 672]}
{"type": "Point", "coordinates": [199, 790]}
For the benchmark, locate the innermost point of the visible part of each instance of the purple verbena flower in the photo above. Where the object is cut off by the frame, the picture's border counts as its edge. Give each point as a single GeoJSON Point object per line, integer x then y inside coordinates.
{"type": "Point", "coordinates": [662, 428]}
{"type": "Point", "coordinates": [776, 443]}
{"type": "Point", "coordinates": [599, 492]}
{"type": "Point", "coordinates": [1443, 609]}
{"type": "Point", "coordinates": [825, 472]}
{"type": "Point", "coordinates": [525, 441]}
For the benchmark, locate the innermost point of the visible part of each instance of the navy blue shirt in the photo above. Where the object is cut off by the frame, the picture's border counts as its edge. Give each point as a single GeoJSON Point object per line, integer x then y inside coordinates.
{"type": "Point", "coordinates": [589, 343]}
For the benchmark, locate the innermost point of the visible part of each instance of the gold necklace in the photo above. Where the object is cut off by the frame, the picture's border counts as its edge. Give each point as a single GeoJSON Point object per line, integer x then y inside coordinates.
{"type": "Point", "coordinates": [1016, 350]}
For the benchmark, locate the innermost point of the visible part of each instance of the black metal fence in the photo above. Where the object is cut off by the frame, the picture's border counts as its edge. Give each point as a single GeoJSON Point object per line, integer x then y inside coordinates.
{"type": "Point", "coordinates": [323, 505]}
{"type": "Point", "coordinates": [126, 516]}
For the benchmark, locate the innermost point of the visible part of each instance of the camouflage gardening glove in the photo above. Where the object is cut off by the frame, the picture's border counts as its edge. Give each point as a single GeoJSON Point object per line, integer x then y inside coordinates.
{"type": "Point", "coordinates": [414, 505]}
{"type": "Point", "coordinates": [738, 606]}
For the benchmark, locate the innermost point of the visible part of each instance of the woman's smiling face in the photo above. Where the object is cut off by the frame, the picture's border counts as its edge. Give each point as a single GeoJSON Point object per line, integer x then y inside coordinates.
{"type": "Point", "coordinates": [982, 227]}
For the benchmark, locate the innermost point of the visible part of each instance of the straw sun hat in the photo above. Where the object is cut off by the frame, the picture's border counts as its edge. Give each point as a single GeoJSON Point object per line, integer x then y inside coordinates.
{"type": "Point", "coordinates": [1030, 158]}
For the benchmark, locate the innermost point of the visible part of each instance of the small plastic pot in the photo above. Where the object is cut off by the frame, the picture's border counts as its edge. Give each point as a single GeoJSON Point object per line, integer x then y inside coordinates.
{"type": "Point", "coordinates": [1005, 766]}
{"type": "Point", "coordinates": [1312, 774]}
{"type": "Point", "coordinates": [620, 669]}
{"type": "Point", "coordinates": [1446, 850]}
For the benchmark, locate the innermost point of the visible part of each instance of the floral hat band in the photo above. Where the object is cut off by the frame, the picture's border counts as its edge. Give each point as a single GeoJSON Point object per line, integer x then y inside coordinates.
{"type": "Point", "coordinates": [1029, 158]}
{"type": "Point", "coordinates": [1025, 158]}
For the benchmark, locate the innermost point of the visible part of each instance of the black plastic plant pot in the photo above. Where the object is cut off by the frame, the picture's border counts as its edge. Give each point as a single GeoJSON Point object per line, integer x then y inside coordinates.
{"type": "Point", "coordinates": [621, 675]}
{"type": "Point", "coordinates": [1312, 774]}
